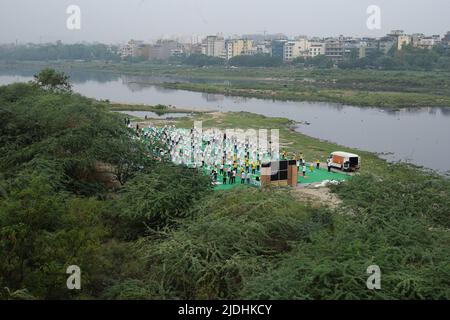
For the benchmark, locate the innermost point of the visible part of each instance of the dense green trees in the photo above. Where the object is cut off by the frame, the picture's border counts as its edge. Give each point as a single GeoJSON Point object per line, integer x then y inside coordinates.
{"type": "Point", "coordinates": [41, 129]}
{"type": "Point", "coordinates": [259, 60]}
{"type": "Point", "coordinates": [398, 224]}
{"type": "Point", "coordinates": [42, 231]}
{"type": "Point", "coordinates": [201, 60]}
{"type": "Point", "coordinates": [151, 230]}
{"type": "Point", "coordinates": [232, 237]}
{"type": "Point", "coordinates": [58, 206]}
{"type": "Point", "coordinates": [260, 245]}
{"type": "Point", "coordinates": [409, 58]}
{"type": "Point", "coordinates": [150, 200]}
{"type": "Point", "coordinates": [58, 51]}
{"type": "Point", "coordinates": [320, 61]}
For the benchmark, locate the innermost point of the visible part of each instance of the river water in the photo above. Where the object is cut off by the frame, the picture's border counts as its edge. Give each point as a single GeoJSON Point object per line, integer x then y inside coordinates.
{"type": "Point", "coordinates": [418, 136]}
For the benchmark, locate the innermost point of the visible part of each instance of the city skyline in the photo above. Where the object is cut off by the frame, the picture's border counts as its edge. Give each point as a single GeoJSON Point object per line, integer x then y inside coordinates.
{"type": "Point", "coordinates": [147, 20]}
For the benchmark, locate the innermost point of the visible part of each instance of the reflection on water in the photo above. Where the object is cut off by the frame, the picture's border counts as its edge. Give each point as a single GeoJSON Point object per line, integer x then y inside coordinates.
{"type": "Point", "coordinates": [210, 97]}
{"type": "Point", "coordinates": [76, 76]}
{"type": "Point", "coordinates": [154, 115]}
{"type": "Point", "coordinates": [420, 136]}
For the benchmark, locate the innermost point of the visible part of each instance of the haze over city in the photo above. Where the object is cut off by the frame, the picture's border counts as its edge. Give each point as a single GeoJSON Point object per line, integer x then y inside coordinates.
{"type": "Point", "coordinates": [118, 21]}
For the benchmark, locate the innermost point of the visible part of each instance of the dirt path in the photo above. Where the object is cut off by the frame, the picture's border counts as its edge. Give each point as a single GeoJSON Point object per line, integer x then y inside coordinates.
{"type": "Point", "coordinates": [317, 196]}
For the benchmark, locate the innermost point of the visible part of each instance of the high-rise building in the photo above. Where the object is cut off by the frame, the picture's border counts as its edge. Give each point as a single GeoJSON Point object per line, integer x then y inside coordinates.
{"type": "Point", "coordinates": [214, 46]}
{"type": "Point", "coordinates": [237, 47]}
{"type": "Point", "coordinates": [295, 49]}
{"type": "Point", "coordinates": [278, 48]}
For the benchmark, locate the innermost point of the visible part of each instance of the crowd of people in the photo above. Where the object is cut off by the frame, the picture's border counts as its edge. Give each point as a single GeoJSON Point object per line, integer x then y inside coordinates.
{"type": "Point", "coordinates": [227, 159]}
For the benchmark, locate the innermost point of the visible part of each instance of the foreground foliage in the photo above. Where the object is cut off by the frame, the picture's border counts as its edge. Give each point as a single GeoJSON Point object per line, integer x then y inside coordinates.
{"type": "Point", "coordinates": [57, 204]}
{"type": "Point", "coordinates": [155, 231]}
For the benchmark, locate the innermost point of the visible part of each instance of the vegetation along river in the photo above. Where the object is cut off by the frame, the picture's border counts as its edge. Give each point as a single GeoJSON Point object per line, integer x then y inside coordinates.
{"type": "Point", "coordinates": [419, 136]}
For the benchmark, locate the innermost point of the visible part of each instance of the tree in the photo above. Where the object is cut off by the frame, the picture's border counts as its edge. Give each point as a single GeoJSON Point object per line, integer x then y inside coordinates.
{"type": "Point", "coordinates": [43, 231]}
{"type": "Point", "coordinates": [299, 60]}
{"type": "Point", "coordinates": [52, 80]}
{"type": "Point", "coordinates": [201, 60]}
{"type": "Point", "coordinates": [258, 60]}
{"type": "Point", "coordinates": [158, 197]}
{"type": "Point", "coordinates": [320, 61]}
{"type": "Point", "coordinates": [59, 51]}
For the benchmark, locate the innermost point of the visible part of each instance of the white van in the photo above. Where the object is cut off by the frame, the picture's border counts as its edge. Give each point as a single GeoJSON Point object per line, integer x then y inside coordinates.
{"type": "Point", "coordinates": [345, 161]}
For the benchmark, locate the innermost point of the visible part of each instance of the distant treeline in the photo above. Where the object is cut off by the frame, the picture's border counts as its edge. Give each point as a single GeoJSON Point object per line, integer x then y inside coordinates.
{"type": "Point", "coordinates": [59, 51]}
{"type": "Point", "coordinates": [201, 60]}
{"type": "Point", "coordinates": [409, 58]}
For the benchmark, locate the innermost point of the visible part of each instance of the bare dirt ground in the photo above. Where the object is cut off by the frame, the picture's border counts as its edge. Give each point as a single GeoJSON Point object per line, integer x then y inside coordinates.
{"type": "Point", "coordinates": [217, 116]}
{"type": "Point", "coordinates": [317, 196]}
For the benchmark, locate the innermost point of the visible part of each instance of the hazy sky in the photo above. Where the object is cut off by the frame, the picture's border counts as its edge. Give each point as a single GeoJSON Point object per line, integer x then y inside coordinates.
{"type": "Point", "coordinates": [120, 20]}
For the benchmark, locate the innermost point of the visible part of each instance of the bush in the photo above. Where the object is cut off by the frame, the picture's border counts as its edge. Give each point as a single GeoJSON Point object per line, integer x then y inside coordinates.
{"type": "Point", "coordinates": [255, 61]}
{"type": "Point", "coordinates": [320, 61]}
{"type": "Point", "coordinates": [49, 79]}
{"type": "Point", "coordinates": [201, 60]}
{"type": "Point", "coordinates": [71, 132]}
{"type": "Point", "coordinates": [42, 232]}
{"type": "Point", "coordinates": [157, 199]}
{"type": "Point", "coordinates": [232, 236]}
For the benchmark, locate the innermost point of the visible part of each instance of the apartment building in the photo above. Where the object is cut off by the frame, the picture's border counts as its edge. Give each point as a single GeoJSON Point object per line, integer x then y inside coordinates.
{"type": "Point", "coordinates": [316, 48]}
{"type": "Point", "coordinates": [400, 38]}
{"type": "Point", "coordinates": [416, 39]}
{"type": "Point", "coordinates": [264, 47]}
{"type": "Point", "coordinates": [402, 41]}
{"type": "Point", "coordinates": [428, 42]}
{"type": "Point", "coordinates": [133, 48]}
{"type": "Point", "coordinates": [351, 46]}
{"type": "Point", "coordinates": [334, 49]}
{"type": "Point", "coordinates": [237, 47]}
{"type": "Point", "coordinates": [192, 48]}
{"type": "Point", "coordinates": [385, 44]}
{"type": "Point", "coordinates": [164, 49]}
{"type": "Point", "coordinates": [214, 46]}
{"type": "Point", "coordinates": [283, 48]}
{"type": "Point", "coordinates": [419, 40]}
{"type": "Point", "coordinates": [288, 50]}
{"type": "Point", "coordinates": [368, 46]}
{"type": "Point", "coordinates": [301, 47]}
{"type": "Point", "coordinates": [291, 50]}
{"type": "Point", "coordinates": [278, 48]}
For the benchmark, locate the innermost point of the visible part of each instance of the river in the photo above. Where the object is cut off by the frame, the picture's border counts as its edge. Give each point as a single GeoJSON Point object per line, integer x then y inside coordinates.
{"type": "Point", "coordinates": [418, 136]}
